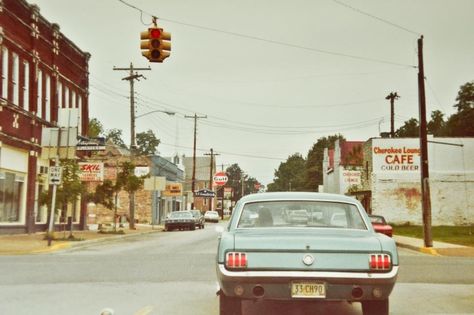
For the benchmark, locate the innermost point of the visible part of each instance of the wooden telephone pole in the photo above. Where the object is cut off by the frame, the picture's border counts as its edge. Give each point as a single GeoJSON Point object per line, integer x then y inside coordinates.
{"type": "Point", "coordinates": [392, 97]}
{"type": "Point", "coordinates": [425, 177]}
{"type": "Point", "coordinates": [131, 78]}
{"type": "Point", "coordinates": [193, 185]}
{"type": "Point", "coordinates": [211, 173]}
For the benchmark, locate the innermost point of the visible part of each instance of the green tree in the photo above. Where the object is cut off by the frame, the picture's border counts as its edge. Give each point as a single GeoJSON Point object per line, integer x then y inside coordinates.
{"type": "Point", "coordinates": [290, 175]}
{"type": "Point", "coordinates": [116, 136]}
{"type": "Point", "coordinates": [147, 143]}
{"type": "Point", "coordinates": [461, 124]}
{"type": "Point", "coordinates": [314, 161]}
{"type": "Point", "coordinates": [130, 183]}
{"type": "Point", "coordinates": [234, 176]}
{"type": "Point", "coordinates": [95, 128]}
{"type": "Point", "coordinates": [68, 192]}
{"type": "Point", "coordinates": [107, 195]}
{"type": "Point", "coordinates": [437, 126]}
{"type": "Point", "coordinates": [411, 128]}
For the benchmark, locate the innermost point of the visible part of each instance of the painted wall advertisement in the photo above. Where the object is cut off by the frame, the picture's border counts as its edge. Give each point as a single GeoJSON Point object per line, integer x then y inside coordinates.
{"type": "Point", "coordinates": [91, 172]}
{"type": "Point", "coordinates": [351, 177]}
{"type": "Point", "coordinates": [400, 156]}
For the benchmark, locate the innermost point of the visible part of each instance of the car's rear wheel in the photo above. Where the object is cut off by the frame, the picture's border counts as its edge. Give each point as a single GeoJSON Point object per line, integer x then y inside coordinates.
{"type": "Point", "coordinates": [229, 305]}
{"type": "Point", "coordinates": [375, 307]}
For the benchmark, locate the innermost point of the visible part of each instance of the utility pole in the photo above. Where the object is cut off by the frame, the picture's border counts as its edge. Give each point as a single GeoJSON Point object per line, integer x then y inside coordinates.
{"type": "Point", "coordinates": [193, 185]}
{"type": "Point", "coordinates": [211, 168]}
{"type": "Point", "coordinates": [132, 77]}
{"type": "Point", "coordinates": [392, 97]}
{"type": "Point", "coordinates": [425, 177]}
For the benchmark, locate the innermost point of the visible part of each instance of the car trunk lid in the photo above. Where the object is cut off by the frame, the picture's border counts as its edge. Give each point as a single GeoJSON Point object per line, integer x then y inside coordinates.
{"type": "Point", "coordinates": [331, 249]}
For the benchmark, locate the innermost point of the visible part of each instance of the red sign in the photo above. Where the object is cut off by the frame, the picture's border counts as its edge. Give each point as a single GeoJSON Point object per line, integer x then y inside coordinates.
{"type": "Point", "coordinates": [220, 178]}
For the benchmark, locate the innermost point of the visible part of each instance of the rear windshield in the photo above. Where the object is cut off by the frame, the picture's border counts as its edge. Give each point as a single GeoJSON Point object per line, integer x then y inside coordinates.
{"type": "Point", "coordinates": [180, 214]}
{"type": "Point", "coordinates": [322, 214]}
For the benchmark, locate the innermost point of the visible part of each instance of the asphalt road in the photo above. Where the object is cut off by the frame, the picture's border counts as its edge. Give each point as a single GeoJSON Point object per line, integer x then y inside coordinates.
{"type": "Point", "coordinates": [173, 273]}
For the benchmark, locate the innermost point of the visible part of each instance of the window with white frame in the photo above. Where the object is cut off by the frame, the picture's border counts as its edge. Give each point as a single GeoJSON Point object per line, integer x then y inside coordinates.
{"type": "Point", "coordinates": [47, 97]}
{"type": "Point", "coordinates": [39, 103]}
{"type": "Point", "coordinates": [15, 79]}
{"type": "Point", "coordinates": [11, 190]}
{"type": "Point", "coordinates": [26, 85]}
{"type": "Point", "coordinates": [4, 72]}
{"type": "Point", "coordinates": [66, 97]}
{"type": "Point", "coordinates": [79, 106]}
{"type": "Point", "coordinates": [59, 92]}
{"type": "Point", "coordinates": [73, 99]}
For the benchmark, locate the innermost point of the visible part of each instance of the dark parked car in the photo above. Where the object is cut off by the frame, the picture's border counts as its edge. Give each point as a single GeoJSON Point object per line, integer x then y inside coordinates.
{"type": "Point", "coordinates": [380, 225]}
{"type": "Point", "coordinates": [199, 218]}
{"type": "Point", "coordinates": [333, 254]}
{"type": "Point", "coordinates": [181, 220]}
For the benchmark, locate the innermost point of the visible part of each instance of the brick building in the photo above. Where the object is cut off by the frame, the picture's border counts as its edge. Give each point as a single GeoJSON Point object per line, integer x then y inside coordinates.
{"type": "Point", "coordinates": [41, 71]}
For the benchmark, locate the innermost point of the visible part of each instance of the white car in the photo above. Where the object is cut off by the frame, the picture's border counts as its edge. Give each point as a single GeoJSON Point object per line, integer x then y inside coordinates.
{"type": "Point", "coordinates": [211, 216]}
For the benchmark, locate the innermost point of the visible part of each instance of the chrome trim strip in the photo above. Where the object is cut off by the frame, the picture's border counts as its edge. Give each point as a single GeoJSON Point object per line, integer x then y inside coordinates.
{"type": "Point", "coordinates": [309, 274]}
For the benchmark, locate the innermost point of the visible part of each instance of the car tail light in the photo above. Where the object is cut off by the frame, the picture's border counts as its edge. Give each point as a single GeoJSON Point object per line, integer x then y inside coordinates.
{"type": "Point", "coordinates": [235, 260]}
{"type": "Point", "coordinates": [380, 262]}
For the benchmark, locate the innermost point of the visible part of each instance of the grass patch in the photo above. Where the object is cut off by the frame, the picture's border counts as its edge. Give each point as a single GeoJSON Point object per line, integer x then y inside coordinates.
{"type": "Point", "coordinates": [112, 232]}
{"type": "Point", "coordinates": [462, 235]}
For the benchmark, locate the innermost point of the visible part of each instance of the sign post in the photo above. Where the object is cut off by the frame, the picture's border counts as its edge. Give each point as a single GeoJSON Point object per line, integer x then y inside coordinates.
{"type": "Point", "coordinates": [55, 174]}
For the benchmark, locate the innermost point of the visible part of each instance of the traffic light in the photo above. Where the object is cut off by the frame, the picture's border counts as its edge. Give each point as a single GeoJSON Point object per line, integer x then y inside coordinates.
{"type": "Point", "coordinates": [155, 44]}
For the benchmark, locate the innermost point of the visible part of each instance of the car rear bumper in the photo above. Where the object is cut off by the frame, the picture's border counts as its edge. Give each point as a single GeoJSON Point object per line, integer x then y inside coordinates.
{"type": "Point", "coordinates": [277, 284]}
{"type": "Point", "coordinates": [179, 225]}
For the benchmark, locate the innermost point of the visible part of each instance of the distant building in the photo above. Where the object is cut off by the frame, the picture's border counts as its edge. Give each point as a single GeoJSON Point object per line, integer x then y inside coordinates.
{"type": "Point", "coordinates": [202, 177]}
{"type": "Point", "coordinates": [342, 166]}
{"type": "Point", "coordinates": [152, 204]}
{"type": "Point", "coordinates": [41, 71]}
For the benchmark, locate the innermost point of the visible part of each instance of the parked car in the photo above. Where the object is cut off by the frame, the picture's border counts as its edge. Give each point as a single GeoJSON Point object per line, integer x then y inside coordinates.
{"type": "Point", "coordinates": [181, 220]}
{"type": "Point", "coordinates": [199, 218]}
{"type": "Point", "coordinates": [380, 225]}
{"type": "Point", "coordinates": [211, 216]}
{"type": "Point", "coordinates": [263, 256]}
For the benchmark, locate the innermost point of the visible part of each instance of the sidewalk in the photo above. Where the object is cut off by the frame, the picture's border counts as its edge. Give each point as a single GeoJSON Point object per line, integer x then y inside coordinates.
{"type": "Point", "coordinates": [22, 244]}
{"type": "Point", "coordinates": [438, 249]}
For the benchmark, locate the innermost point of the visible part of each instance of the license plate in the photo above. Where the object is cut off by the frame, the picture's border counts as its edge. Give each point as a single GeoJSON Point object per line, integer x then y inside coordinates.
{"type": "Point", "coordinates": [308, 290]}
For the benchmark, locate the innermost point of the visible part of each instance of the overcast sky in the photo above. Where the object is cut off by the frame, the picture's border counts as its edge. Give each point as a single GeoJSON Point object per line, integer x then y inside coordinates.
{"type": "Point", "coordinates": [272, 76]}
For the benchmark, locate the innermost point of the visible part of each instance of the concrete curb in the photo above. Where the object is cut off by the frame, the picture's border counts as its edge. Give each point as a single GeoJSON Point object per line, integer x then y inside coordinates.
{"type": "Point", "coordinates": [424, 250]}
{"type": "Point", "coordinates": [82, 244]}
{"type": "Point", "coordinates": [71, 245]}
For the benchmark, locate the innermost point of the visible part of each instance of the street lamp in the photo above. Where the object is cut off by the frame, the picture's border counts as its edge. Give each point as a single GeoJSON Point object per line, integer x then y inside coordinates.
{"type": "Point", "coordinates": [169, 113]}
{"type": "Point", "coordinates": [133, 144]}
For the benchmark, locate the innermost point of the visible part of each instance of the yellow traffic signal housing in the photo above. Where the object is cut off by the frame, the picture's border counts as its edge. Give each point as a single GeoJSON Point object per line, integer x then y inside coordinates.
{"type": "Point", "coordinates": [155, 44]}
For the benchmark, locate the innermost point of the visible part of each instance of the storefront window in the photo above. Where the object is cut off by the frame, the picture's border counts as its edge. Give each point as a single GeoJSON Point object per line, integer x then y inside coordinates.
{"type": "Point", "coordinates": [42, 212]}
{"type": "Point", "coordinates": [11, 186]}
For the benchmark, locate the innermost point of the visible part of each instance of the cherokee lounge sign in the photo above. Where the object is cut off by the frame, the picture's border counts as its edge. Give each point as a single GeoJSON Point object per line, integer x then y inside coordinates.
{"type": "Point", "coordinates": [396, 158]}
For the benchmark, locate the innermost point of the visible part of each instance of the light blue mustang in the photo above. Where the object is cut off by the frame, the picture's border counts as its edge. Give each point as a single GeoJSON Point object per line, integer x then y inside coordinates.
{"type": "Point", "coordinates": [304, 246]}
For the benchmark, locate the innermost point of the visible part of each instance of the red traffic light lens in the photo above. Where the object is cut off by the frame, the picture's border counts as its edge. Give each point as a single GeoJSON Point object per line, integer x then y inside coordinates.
{"type": "Point", "coordinates": [155, 33]}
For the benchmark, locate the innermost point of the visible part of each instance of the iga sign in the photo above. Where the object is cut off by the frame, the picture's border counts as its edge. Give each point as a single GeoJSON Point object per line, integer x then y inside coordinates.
{"type": "Point", "coordinates": [91, 172]}
{"type": "Point", "coordinates": [399, 156]}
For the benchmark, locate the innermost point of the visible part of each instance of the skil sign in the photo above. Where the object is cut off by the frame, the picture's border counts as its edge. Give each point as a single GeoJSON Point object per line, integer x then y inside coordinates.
{"type": "Point", "coordinates": [398, 158]}
{"type": "Point", "coordinates": [91, 172]}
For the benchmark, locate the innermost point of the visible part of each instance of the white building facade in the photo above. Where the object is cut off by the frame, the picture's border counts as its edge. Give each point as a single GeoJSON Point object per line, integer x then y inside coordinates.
{"type": "Point", "coordinates": [392, 175]}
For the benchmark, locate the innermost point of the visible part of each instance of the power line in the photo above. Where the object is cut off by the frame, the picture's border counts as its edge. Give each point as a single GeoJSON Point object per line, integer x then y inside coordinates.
{"type": "Point", "coordinates": [376, 17]}
{"type": "Point", "coordinates": [270, 41]}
